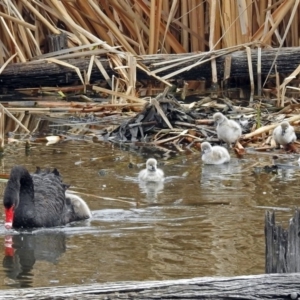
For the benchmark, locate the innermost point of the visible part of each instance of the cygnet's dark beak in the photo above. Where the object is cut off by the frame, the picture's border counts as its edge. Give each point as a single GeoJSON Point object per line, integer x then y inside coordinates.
{"type": "Point", "coordinates": [283, 132]}
{"type": "Point", "coordinates": [152, 168]}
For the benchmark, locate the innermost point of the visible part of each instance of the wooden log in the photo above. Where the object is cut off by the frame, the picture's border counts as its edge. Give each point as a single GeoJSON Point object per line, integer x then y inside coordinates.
{"type": "Point", "coordinates": [271, 286]}
{"type": "Point", "coordinates": [41, 73]}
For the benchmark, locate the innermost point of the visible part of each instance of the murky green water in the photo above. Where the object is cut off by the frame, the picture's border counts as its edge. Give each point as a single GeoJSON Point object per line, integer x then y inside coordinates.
{"type": "Point", "coordinates": [204, 221]}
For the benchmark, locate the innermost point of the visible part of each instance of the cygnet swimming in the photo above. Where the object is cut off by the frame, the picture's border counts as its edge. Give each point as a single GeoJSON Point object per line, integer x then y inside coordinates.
{"type": "Point", "coordinates": [151, 173]}
{"type": "Point", "coordinates": [214, 155]}
{"type": "Point", "coordinates": [284, 134]}
{"type": "Point", "coordinates": [228, 131]}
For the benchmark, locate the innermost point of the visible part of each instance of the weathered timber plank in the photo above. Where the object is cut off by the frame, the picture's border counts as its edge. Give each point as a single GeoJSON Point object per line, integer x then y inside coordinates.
{"type": "Point", "coordinates": [282, 245]}
{"type": "Point", "coordinates": [269, 286]}
{"type": "Point", "coordinates": [42, 73]}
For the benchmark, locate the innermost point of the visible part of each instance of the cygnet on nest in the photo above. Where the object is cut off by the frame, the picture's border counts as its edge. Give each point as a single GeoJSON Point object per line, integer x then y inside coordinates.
{"type": "Point", "coordinates": [284, 134]}
{"type": "Point", "coordinates": [151, 173]}
{"type": "Point", "coordinates": [228, 131]}
{"type": "Point", "coordinates": [214, 155]}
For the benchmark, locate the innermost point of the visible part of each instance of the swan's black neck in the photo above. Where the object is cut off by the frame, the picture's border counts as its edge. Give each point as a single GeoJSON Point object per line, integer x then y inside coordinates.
{"type": "Point", "coordinates": [19, 187]}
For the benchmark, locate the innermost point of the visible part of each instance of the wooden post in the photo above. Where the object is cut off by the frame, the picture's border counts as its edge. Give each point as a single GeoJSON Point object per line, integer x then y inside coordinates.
{"type": "Point", "coordinates": [282, 245]}
{"type": "Point", "coordinates": [57, 42]}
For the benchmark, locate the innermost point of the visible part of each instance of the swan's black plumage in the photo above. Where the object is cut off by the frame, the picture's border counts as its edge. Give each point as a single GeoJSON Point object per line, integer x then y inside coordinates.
{"type": "Point", "coordinates": [39, 199]}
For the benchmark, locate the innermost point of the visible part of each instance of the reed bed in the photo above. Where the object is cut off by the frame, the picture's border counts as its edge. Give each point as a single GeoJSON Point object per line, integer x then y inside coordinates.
{"type": "Point", "coordinates": [145, 27]}
{"type": "Point", "coordinates": [122, 30]}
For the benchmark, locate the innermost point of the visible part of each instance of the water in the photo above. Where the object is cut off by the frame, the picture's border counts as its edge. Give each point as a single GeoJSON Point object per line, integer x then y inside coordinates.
{"type": "Point", "coordinates": [204, 221]}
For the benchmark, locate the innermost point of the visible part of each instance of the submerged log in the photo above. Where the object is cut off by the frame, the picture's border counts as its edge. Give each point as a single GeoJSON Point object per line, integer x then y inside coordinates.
{"type": "Point", "coordinates": [282, 245]}
{"type": "Point", "coordinates": [41, 73]}
{"type": "Point", "coordinates": [274, 286]}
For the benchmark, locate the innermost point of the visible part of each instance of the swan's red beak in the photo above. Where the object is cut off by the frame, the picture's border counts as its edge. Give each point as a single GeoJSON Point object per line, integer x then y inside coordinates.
{"type": "Point", "coordinates": [9, 216]}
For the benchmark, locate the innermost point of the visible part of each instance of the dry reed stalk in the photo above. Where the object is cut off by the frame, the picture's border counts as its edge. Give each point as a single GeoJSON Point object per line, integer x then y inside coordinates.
{"type": "Point", "coordinates": [77, 54]}
{"type": "Point", "coordinates": [161, 112]}
{"type": "Point", "coordinates": [131, 61]}
{"type": "Point", "coordinates": [144, 69]}
{"type": "Point", "coordinates": [168, 10]}
{"type": "Point", "coordinates": [201, 26]}
{"type": "Point", "coordinates": [295, 30]}
{"type": "Point", "coordinates": [12, 116]}
{"type": "Point", "coordinates": [277, 16]}
{"type": "Point", "coordinates": [90, 68]}
{"type": "Point", "coordinates": [213, 7]}
{"type": "Point", "coordinates": [193, 23]}
{"type": "Point", "coordinates": [268, 128]}
{"type": "Point", "coordinates": [118, 65]}
{"type": "Point", "coordinates": [217, 28]}
{"type": "Point", "coordinates": [227, 38]}
{"type": "Point", "coordinates": [65, 64]}
{"type": "Point", "coordinates": [251, 19]}
{"type": "Point", "coordinates": [153, 27]}
{"type": "Point", "coordinates": [259, 71]}
{"type": "Point", "coordinates": [244, 22]}
{"type": "Point", "coordinates": [7, 62]}
{"type": "Point", "coordinates": [238, 21]}
{"type": "Point", "coordinates": [84, 35]}
{"type": "Point", "coordinates": [118, 94]}
{"type": "Point", "coordinates": [126, 23]}
{"type": "Point", "coordinates": [37, 14]}
{"type": "Point", "coordinates": [158, 21]}
{"type": "Point", "coordinates": [103, 71]}
{"type": "Point", "coordinates": [170, 75]}
{"type": "Point", "coordinates": [170, 15]}
{"type": "Point", "coordinates": [20, 53]}
{"type": "Point", "coordinates": [18, 21]}
{"type": "Point", "coordinates": [112, 26]}
{"type": "Point", "coordinates": [19, 32]}
{"type": "Point", "coordinates": [64, 16]}
{"type": "Point", "coordinates": [77, 13]}
{"type": "Point", "coordinates": [135, 14]}
{"type": "Point", "coordinates": [249, 58]}
{"type": "Point", "coordinates": [140, 40]}
{"type": "Point", "coordinates": [171, 40]}
{"type": "Point", "coordinates": [73, 49]}
{"type": "Point", "coordinates": [97, 27]}
{"type": "Point", "coordinates": [261, 11]}
{"type": "Point", "coordinates": [287, 80]}
{"type": "Point", "coordinates": [185, 22]}
{"type": "Point", "coordinates": [285, 34]}
{"type": "Point", "coordinates": [277, 86]}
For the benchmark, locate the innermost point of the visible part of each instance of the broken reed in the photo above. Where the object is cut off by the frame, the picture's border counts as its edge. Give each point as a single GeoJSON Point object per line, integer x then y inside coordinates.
{"type": "Point", "coordinates": [140, 27]}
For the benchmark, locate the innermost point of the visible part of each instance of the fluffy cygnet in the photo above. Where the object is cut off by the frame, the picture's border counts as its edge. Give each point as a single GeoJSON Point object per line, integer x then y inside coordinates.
{"type": "Point", "coordinates": [151, 173]}
{"type": "Point", "coordinates": [214, 155]}
{"type": "Point", "coordinates": [228, 131]}
{"type": "Point", "coordinates": [284, 134]}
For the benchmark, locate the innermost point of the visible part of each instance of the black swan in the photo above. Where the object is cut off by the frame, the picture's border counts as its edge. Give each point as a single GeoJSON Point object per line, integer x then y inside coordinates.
{"type": "Point", "coordinates": [40, 200]}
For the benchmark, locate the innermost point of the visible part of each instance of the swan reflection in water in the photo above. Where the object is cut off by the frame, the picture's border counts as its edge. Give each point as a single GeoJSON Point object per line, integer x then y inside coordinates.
{"type": "Point", "coordinates": [24, 250]}
{"type": "Point", "coordinates": [215, 175]}
{"type": "Point", "coordinates": [151, 188]}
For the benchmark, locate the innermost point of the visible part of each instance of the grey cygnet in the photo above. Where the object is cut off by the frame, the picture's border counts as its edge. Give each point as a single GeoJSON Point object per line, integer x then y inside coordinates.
{"type": "Point", "coordinates": [214, 155]}
{"type": "Point", "coordinates": [151, 173]}
{"type": "Point", "coordinates": [228, 131]}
